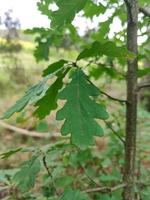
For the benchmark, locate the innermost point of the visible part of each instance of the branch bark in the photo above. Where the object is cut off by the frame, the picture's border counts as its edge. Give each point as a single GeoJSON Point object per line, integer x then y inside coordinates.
{"type": "Point", "coordinates": [131, 108]}
{"type": "Point", "coordinates": [27, 132]}
{"type": "Point", "coordinates": [105, 189]}
{"type": "Point", "coordinates": [143, 85]}
{"type": "Point", "coordinates": [116, 133]}
{"type": "Point", "coordinates": [144, 11]}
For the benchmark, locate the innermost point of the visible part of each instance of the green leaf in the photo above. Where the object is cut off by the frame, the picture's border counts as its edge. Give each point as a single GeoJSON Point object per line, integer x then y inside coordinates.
{"type": "Point", "coordinates": [49, 101]}
{"type": "Point", "coordinates": [107, 48]}
{"type": "Point", "coordinates": [143, 72]}
{"type": "Point", "coordinates": [54, 67]}
{"type": "Point", "coordinates": [41, 51]}
{"type": "Point", "coordinates": [30, 95]}
{"type": "Point", "coordinates": [80, 111]}
{"type": "Point", "coordinates": [70, 194]}
{"type": "Point", "coordinates": [25, 177]}
{"type": "Point", "coordinates": [42, 126]}
{"type": "Point", "coordinates": [103, 31]}
{"type": "Point", "coordinates": [64, 181]}
{"type": "Point", "coordinates": [91, 9]}
{"type": "Point", "coordinates": [66, 12]}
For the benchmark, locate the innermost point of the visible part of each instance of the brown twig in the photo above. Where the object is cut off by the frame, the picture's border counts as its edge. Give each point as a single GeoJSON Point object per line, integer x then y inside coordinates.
{"type": "Point", "coordinates": [143, 85]}
{"type": "Point", "coordinates": [105, 189]}
{"type": "Point", "coordinates": [50, 175]}
{"type": "Point", "coordinates": [113, 98]}
{"type": "Point", "coordinates": [26, 132]}
{"type": "Point", "coordinates": [89, 177]}
{"type": "Point", "coordinates": [110, 97]}
{"type": "Point", "coordinates": [115, 132]}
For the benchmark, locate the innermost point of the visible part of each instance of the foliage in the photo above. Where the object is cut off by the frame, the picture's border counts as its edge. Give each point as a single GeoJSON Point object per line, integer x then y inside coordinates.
{"type": "Point", "coordinates": [79, 114]}
{"type": "Point", "coordinates": [68, 169]}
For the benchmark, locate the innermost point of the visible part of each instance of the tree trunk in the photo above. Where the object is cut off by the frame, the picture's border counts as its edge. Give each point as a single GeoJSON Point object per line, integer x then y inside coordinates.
{"type": "Point", "coordinates": [131, 112]}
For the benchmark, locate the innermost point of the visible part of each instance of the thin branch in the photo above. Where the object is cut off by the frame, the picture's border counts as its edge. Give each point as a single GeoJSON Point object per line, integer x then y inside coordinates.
{"type": "Point", "coordinates": [143, 85]}
{"type": "Point", "coordinates": [115, 132]}
{"type": "Point", "coordinates": [113, 98]}
{"type": "Point", "coordinates": [105, 189]}
{"type": "Point", "coordinates": [50, 175]}
{"type": "Point", "coordinates": [145, 11]}
{"type": "Point", "coordinates": [26, 132]}
{"type": "Point", "coordinates": [110, 97]}
{"type": "Point", "coordinates": [89, 177]}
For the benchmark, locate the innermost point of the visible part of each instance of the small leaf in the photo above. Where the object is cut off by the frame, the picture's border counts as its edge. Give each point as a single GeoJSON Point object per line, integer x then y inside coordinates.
{"type": "Point", "coordinates": [143, 72]}
{"type": "Point", "coordinates": [70, 194]}
{"type": "Point", "coordinates": [54, 67]}
{"type": "Point", "coordinates": [64, 181]}
{"type": "Point", "coordinates": [80, 111]}
{"type": "Point", "coordinates": [91, 9]}
{"type": "Point", "coordinates": [34, 91]}
{"type": "Point", "coordinates": [66, 12]}
{"type": "Point", "coordinates": [49, 101]}
{"type": "Point", "coordinates": [25, 177]}
{"type": "Point", "coordinates": [107, 49]}
{"type": "Point", "coordinates": [41, 51]}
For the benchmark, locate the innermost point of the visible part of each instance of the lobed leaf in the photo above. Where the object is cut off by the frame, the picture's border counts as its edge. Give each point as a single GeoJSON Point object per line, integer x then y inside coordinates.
{"type": "Point", "coordinates": [80, 111]}
{"type": "Point", "coordinates": [108, 48]}
{"type": "Point", "coordinates": [25, 177]}
{"type": "Point", "coordinates": [66, 12]}
{"type": "Point", "coordinates": [31, 93]}
{"type": "Point", "coordinates": [49, 101]}
{"type": "Point", "coordinates": [54, 67]}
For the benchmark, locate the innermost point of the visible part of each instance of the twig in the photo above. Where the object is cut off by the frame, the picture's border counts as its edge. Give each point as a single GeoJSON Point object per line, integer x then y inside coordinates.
{"type": "Point", "coordinates": [50, 175]}
{"type": "Point", "coordinates": [26, 132]}
{"type": "Point", "coordinates": [105, 189]}
{"type": "Point", "coordinates": [115, 132]}
{"type": "Point", "coordinates": [144, 85]}
{"type": "Point", "coordinates": [113, 98]}
{"type": "Point", "coordinates": [144, 11]}
{"type": "Point", "coordinates": [110, 97]}
{"type": "Point", "coordinates": [89, 177]}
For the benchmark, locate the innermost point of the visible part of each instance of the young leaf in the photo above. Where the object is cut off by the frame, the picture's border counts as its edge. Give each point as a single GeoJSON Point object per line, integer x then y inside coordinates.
{"type": "Point", "coordinates": [54, 67]}
{"type": "Point", "coordinates": [25, 177]}
{"type": "Point", "coordinates": [107, 48]}
{"type": "Point", "coordinates": [80, 111]}
{"type": "Point", "coordinates": [30, 94]}
{"type": "Point", "coordinates": [74, 195]}
{"type": "Point", "coordinates": [41, 51]}
{"type": "Point", "coordinates": [66, 12]}
{"type": "Point", "coordinates": [143, 72]}
{"type": "Point", "coordinates": [49, 102]}
{"type": "Point", "coordinates": [91, 9]}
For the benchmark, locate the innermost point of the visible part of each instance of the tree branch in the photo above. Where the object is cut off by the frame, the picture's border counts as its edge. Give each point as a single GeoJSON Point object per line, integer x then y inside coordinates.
{"type": "Point", "coordinates": [118, 136]}
{"type": "Point", "coordinates": [113, 98]}
{"type": "Point", "coordinates": [105, 189]}
{"type": "Point", "coordinates": [143, 85]}
{"type": "Point", "coordinates": [49, 173]}
{"type": "Point", "coordinates": [27, 132]}
{"type": "Point", "coordinates": [89, 177]}
{"type": "Point", "coordinates": [110, 97]}
{"type": "Point", "coordinates": [144, 11]}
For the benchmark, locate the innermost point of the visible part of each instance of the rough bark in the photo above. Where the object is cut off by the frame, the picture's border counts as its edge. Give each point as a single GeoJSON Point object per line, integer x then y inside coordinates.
{"type": "Point", "coordinates": [131, 109]}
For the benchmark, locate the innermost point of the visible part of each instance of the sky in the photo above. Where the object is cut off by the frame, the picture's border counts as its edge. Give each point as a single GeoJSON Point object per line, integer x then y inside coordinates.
{"type": "Point", "coordinates": [26, 11]}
